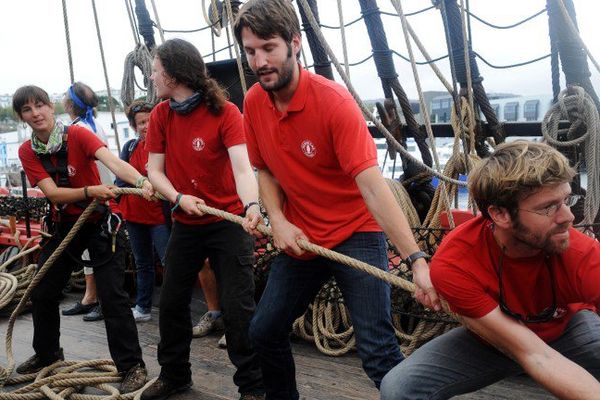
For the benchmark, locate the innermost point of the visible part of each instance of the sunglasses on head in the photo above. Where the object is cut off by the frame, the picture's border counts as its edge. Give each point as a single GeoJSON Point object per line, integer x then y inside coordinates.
{"type": "Point", "coordinates": [142, 107]}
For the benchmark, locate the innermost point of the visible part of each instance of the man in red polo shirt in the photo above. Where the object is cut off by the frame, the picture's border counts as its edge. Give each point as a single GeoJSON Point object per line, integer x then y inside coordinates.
{"type": "Point", "coordinates": [521, 278]}
{"type": "Point", "coordinates": [319, 180]}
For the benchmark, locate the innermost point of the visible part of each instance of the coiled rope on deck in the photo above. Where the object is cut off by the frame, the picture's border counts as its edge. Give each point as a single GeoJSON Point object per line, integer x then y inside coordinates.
{"type": "Point", "coordinates": [60, 387]}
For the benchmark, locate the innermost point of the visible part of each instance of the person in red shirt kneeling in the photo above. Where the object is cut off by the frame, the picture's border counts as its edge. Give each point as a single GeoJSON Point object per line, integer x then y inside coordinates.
{"type": "Point", "coordinates": [61, 162]}
{"type": "Point", "coordinates": [525, 284]}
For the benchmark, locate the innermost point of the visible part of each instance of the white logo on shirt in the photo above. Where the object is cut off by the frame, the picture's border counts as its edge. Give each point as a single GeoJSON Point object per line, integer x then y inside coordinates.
{"type": "Point", "coordinates": [72, 170]}
{"type": "Point", "coordinates": [308, 148]}
{"type": "Point", "coordinates": [198, 144]}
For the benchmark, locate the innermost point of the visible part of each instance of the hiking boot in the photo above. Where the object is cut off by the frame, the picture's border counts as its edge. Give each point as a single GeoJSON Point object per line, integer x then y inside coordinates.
{"type": "Point", "coordinates": [35, 363]}
{"type": "Point", "coordinates": [222, 343]}
{"type": "Point", "coordinates": [140, 316]}
{"type": "Point", "coordinates": [134, 379]}
{"type": "Point", "coordinates": [79, 308]}
{"type": "Point", "coordinates": [249, 396]}
{"type": "Point", "coordinates": [207, 324]}
{"type": "Point", "coordinates": [94, 315]}
{"type": "Point", "coordinates": [162, 389]}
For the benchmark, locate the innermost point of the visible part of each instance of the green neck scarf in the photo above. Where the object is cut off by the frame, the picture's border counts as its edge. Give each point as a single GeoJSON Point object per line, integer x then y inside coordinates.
{"type": "Point", "coordinates": [54, 141]}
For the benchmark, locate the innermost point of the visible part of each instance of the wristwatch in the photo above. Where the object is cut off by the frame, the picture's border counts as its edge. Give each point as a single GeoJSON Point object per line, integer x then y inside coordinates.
{"type": "Point", "coordinates": [414, 257]}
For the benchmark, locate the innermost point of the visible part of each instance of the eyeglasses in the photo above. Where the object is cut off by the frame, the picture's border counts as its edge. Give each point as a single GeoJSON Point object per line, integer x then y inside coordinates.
{"type": "Point", "coordinates": [142, 107]}
{"type": "Point", "coordinates": [552, 209]}
{"type": "Point", "coordinates": [546, 315]}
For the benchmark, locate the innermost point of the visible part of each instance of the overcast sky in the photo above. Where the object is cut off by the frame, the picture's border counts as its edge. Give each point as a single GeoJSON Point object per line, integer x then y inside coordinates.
{"type": "Point", "coordinates": [33, 45]}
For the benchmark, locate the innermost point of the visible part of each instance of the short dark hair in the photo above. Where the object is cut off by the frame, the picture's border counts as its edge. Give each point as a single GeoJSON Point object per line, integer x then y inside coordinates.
{"type": "Point", "coordinates": [85, 94]}
{"type": "Point", "coordinates": [182, 62]}
{"type": "Point", "coordinates": [267, 19]}
{"type": "Point", "coordinates": [138, 106]}
{"type": "Point", "coordinates": [28, 93]}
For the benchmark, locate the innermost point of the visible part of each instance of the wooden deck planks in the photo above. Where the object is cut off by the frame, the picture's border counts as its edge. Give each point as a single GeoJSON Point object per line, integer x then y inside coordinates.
{"type": "Point", "coordinates": [319, 377]}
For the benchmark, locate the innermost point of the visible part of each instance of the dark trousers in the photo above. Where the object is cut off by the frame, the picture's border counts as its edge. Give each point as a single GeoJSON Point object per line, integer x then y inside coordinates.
{"type": "Point", "coordinates": [231, 254]}
{"type": "Point", "coordinates": [121, 330]}
{"type": "Point", "coordinates": [293, 284]}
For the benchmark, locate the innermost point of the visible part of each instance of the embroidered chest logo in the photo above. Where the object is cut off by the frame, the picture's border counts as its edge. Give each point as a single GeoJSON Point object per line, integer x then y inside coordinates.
{"type": "Point", "coordinates": [198, 144]}
{"type": "Point", "coordinates": [71, 169]}
{"type": "Point", "coordinates": [308, 148]}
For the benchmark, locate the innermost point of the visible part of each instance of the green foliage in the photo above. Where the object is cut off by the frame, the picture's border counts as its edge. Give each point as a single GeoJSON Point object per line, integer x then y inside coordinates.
{"type": "Point", "coordinates": [103, 104]}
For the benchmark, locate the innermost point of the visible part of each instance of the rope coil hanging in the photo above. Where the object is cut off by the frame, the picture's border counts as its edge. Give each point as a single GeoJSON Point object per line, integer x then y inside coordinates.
{"type": "Point", "coordinates": [141, 58]}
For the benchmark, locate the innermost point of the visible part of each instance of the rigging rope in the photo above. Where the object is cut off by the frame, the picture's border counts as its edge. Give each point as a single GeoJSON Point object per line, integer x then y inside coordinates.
{"type": "Point", "coordinates": [579, 108]}
{"type": "Point", "coordinates": [230, 17]}
{"type": "Point", "coordinates": [343, 32]}
{"type": "Point", "coordinates": [108, 93]}
{"type": "Point", "coordinates": [68, 38]}
{"type": "Point", "coordinates": [363, 107]}
{"type": "Point", "coordinates": [141, 58]}
{"type": "Point", "coordinates": [542, 11]}
{"type": "Point", "coordinates": [160, 31]}
{"type": "Point", "coordinates": [511, 65]}
{"type": "Point", "coordinates": [136, 39]}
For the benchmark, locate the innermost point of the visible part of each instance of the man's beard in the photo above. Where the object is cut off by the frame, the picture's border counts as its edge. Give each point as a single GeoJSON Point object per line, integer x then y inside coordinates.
{"type": "Point", "coordinates": [540, 241]}
{"type": "Point", "coordinates": [285, 74]}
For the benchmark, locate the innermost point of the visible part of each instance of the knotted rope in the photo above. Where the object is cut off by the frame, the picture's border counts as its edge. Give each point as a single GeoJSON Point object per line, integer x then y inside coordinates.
{"type": "Point", "coordinates": [579, 108]}
{"type": "Point", "coordinates": [141, 58]}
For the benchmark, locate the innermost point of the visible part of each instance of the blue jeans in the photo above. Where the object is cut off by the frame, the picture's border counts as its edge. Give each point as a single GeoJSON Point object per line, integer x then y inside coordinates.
{"type": "Point", "coordinates": [142, 238]}
{"type": "Point", "coordinates": [457, 362]}
{"type": "Point", "coordinates": [293, 284]}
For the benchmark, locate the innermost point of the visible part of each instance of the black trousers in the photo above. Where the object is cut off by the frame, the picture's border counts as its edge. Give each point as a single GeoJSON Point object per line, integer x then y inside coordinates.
{"type": "Point", "coordinates": [230, 251]}
{"type": "Point", "coordinates": [121, 330]}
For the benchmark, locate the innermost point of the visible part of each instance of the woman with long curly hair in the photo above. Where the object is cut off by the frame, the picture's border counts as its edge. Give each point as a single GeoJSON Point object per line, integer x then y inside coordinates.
{"type": "Point", "coordinates": [198, 156]}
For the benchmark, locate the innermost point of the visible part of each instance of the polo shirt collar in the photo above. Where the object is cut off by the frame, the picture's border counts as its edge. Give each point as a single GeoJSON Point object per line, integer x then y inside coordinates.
{"type": "Point", "coordinates": [299, 98]}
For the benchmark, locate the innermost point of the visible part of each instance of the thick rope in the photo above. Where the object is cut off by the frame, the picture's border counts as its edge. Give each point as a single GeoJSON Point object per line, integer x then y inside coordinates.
{"type": "Point", "coordinates": [68, 38]}
{"type": "Point", "coordinates": [136, 39]}
{"type": "Point", "coordinates": [160, 30]}
{"type": "Point", "coordinates": [214, 22]}
{"type": "Point", "coordinates": [579, 108]}
{"type": "Point", "coordinates": [360, 103]}
{"type": "Point", "coordinates": [141, 58]}
{"type": "Point", "coordinates": [238, 58]}
{"type": "Point", "coordinates": [567, 19]}
{"type": "Point", "coordinates": [108, 93]}
{"type": "Point", "coordinates": [343, 36]}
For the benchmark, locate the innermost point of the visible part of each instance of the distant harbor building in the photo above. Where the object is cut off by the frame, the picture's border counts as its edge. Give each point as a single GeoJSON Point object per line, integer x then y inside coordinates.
{"type": "Point", "coordinates": [508, 107]}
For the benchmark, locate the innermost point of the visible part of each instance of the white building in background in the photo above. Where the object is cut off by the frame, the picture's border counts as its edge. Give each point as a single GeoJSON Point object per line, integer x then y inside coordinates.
{"type": "Point", "coordinates": [508, 107]}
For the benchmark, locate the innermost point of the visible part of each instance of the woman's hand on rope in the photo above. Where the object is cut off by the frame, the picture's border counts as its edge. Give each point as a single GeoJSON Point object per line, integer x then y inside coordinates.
{"type": "Point", "coordinates": [189, 204]}
{"type": "Point", "coordinates": [252, 219]}
{"type": "Point", "coordinates": [148, 191]}
{"type": "Point", "coordinates": [286, 236]}
{"type": "Point", "coordinates": [425, 292]}
{"type": "Point", "coordinates": [101, 192]}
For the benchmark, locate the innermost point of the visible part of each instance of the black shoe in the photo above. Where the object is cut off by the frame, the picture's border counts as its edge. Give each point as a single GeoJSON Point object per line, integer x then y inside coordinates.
{"type": "Point", "coordinates": [134, 379]}
{"type": "Point", "coordinates": [161, 389]}
{"type": "Point", "coordinates": [94, 315]}
{"type": "Point", "coordinates": [35, 364]}
{"type": "Point", "coordinates": [79, 308]}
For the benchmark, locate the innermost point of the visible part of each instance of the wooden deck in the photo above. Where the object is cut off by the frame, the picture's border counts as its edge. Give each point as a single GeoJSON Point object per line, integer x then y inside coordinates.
{"type": "Point", "coordinates": [319, 377]}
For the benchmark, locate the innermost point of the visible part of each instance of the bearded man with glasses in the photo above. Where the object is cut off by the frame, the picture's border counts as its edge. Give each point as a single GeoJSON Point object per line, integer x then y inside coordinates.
{"type": "Point", "coordinates": [524, 283]}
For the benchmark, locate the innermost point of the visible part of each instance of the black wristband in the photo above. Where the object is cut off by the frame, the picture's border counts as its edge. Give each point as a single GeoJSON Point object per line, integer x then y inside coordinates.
{"type": "Point", "coordinates": [414, 257]}
{"type": "Point", "coordinates": [85, 192]}
{"type": "Point", "coordinates": [247, 206]}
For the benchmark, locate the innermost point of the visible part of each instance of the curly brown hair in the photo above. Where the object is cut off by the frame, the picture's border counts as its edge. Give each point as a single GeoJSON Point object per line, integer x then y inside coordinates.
{"type": "Point", "coordinates": [183, 62]}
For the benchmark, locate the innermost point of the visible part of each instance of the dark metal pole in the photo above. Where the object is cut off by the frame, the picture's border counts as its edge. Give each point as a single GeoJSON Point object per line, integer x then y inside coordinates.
{"type": "Point", "coordinates": [26, 201]}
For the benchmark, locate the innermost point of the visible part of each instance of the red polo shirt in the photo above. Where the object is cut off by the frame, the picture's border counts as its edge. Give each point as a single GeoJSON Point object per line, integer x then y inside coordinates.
{"type": "Point", "coordinates": [196, 157]}
{"type": "Point", "coordinates": [465, 268]}
{"type": "Point", "coordinates": [135, 208]}
{"type": "Point", "coordinates": [82, 147]}
{"type": "Point", "coordinates": [315, 151]}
